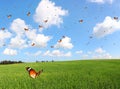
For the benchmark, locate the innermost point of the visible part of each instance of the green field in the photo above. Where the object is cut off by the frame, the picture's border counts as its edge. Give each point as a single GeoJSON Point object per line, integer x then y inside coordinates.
{"type": "Point", "coordinates": [86, 74]}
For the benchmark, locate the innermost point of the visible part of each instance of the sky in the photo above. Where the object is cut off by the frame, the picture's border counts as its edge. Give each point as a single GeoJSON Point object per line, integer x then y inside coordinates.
{"type": "Point", "coordinates": [59, 30]}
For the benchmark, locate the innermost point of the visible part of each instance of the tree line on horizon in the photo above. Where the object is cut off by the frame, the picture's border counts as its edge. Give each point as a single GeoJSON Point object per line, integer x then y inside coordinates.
{"type": "Point", "coordinates": [9, 62]}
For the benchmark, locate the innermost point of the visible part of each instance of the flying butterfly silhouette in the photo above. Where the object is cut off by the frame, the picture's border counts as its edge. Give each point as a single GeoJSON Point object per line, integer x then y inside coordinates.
{"type": "Point", "coordinates": [90, 37]}
{"type": "Point", "coordinates": [60, 40]}
{"type": "Point", "coordinates": [26, 29]}
{"type": "Point", "coordinates": [81, 20]}
{"type": "Point", "coordinates": [9, 16]}
{"type": "Point", "coordinates": [40, 26]}
{"type": "Point", "coordinates": [45, 21]}
{"type": "Point", "coordinates": [33, 44]}
{"type": "Point", "coordinates": [52, 46]}
{"type": "Point", "coordinates": [33, 73]}
{"type": "Point", "coordinates": [63, 36]}
{"type": "Point", "coordinates": [28, 14]}
{"type": "Point", "coordinates": [115, 18]}
{"type": "Point", "coordinates": [3, 28]}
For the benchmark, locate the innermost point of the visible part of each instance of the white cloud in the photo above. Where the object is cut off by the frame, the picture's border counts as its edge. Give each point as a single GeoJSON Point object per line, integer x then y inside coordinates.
{"type": "Point", "coordinates": [33, 54]}
{"type": "Point", "coordinates": [97, 53]}
{"type": "Point", "coordinates": [31, 34]}
{"type": "Point", "coordinates": [79, 52]}
{"type": "Point", "coordinates": [102, 56]}
{"type": "Point", "coordinates": [100, 53]}
{"type": "Point", "coordinates": [47, 10]}
{"type": "Point", "coordinates": [22, 37]}
{"type": "Point", "coordinates": [101, 1]}
{"type": "Point", "coordinates": [18, 42]}
{"type": "Point", "coordinates": [89, 52]}
{"type": "Point", "coordinates": [108, 26]}
{"type": "Point", "coordinates": [68, 54]}
{"type": "Point", "coordinates": [47, 53]}
{"type": "Point", "coordinates": [40, 40]}
{"type": "Point", "coordinates": [65, 43]}
{"type": "Point", "coordinates": [3, 36]}
{"type": "Point", "coordinates": [99, 50]}
{"type": "Point", "coordinates": [8, 51]}
{"type": "Point", "coordinates": [18, 26]}
{"type": "Point", "coordinates": [57, 53]}
{"type": "Point", "coordinates": [37, 53]}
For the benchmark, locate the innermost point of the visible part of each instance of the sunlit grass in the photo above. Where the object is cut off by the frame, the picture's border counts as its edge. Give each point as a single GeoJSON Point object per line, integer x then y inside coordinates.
{"type": "Point", "coordinates": [94, 74]}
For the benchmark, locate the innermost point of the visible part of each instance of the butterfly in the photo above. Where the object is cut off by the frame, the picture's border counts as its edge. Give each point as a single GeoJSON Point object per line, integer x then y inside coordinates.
{"type": "Point", "coordinates": [115, 18]}
{"type": "Point", "coordinates": [60, 40]}
{"type": "Point", "coordinates": [52, 46]}
{"type": "Point", "coordinates": [28, 14]}
{"type": "Point", "coordinates": [26, 29]}
{"type": "Point", "coordinates": [63, 36]}
{"type": "Point", "coordinates": [3, 28]}
{"type": "Point", "coordinates": [33, 73]}
{"type": "Point", "coordinates": [45, 21]}
{"type": "Point", "coordinates": [33, 44]}
{"type": "Point", "coordinates": [9, 16]}
{"type": "Point", "coordinates": [91, 37]}
{"type": "Point", "coordinates": [40, 26]}
{"type": "Point", "coordinates": [81, 21]}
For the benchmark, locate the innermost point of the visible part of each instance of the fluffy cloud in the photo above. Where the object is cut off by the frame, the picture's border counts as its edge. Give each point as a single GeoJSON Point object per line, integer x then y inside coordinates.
{"type": "Point", "coordinates": [31, 34]}
{"type": "Point", "coordinates": [17, 42]}
{"type": "Point", "coordinates": [99, 50]}
{"type": "Point", "coordinates": [3, 36]}
{"type": "Point", "coordinates": [57, 53]}
{"type": "Point", "coordinates": [101, 1]}
{"type": "Point", "coordinates": [98, 53]}
{"type": "Point", "coordinates": [108, 26]}
{"type": "Point", "coordinates": [47, 10]}
{"type": "Point", "coordinates": [33, 54]}
{"type": "Point", "coordinates": [40, 40]}
{"type": "Point", "coordinates": [22, 37]}
{"type": "Point", "coordinates": [18, 26]}
{"type": "Point", "coordinates": [47, 53]}
{"type": "Point", "coordinates": [8, 51]}
{"type": "Point", "coordinates": [65, 43]}
{"type": "Point", "coordinates": [79, 52]}
{"type": "Point", "coordinates": [102, 56]}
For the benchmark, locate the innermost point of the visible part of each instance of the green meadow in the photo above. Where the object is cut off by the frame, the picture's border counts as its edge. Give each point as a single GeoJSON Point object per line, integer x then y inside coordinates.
{"type": "Point", "coordinates": [85, 74]}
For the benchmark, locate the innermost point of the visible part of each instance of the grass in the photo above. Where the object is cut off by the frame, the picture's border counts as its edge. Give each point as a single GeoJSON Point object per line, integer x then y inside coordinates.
{"type": "Point", "coordinates": [87, 74]}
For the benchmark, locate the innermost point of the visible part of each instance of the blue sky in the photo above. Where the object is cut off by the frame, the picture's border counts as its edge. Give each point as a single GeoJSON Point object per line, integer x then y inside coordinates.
{"type": "Point", "coordinates": [97, 36]}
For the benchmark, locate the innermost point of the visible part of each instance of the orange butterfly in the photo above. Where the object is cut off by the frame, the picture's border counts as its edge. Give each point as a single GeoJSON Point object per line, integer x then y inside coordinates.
{"type": "Point", "coordinates": [60, 40]}
{"type": "Point", "coordinates": [33, 44]}
{"type": "Point", "coordinates": [33, 73]}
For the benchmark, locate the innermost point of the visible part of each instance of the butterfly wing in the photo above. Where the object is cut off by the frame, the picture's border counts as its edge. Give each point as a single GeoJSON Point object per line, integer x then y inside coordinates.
{"type": "Point", "coordinates": [39, 72]}
{"type": "Point", "coordinates": [33, 73]}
